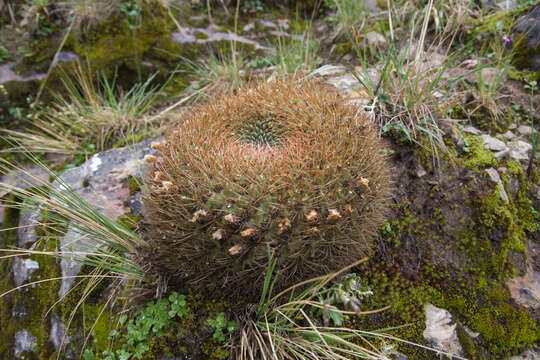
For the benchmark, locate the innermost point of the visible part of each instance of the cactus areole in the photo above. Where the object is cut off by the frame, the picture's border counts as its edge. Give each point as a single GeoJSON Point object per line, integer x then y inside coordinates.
{"type": "Point", "coordinates": [287, 168]}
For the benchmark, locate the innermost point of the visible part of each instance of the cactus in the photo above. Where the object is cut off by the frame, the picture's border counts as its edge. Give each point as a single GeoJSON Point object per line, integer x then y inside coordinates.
{"type": "Point", "coordinates": [286, 167]}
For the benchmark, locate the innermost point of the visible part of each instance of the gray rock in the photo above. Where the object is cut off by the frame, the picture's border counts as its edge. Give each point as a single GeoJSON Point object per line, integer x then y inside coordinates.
{"type": "Point", "coordinates": [375, 41]}
{"type": "Point", "coordinates": [501, 154]}
{"type": "Point", "coordinates": [472, 130]}
{"type": "Point", "coordinates": [101, 182]}
{"type": "Point", "coordinates": [210, 34]}
{"type": "Point", "coordinates": [346, 83]}
{"type": "Point", "coordinates": [508, 135]}
{"type": "Point", "coordinates": [526, 289]}
{"type": "Point", "coordinates": [59, 337]}
{"type": "Point", "coordinates": [529, 354]}
{"type": "Point", "coordinates": [441, 331]}
{"type": "Point", "coordinates": [496, 178]}
{"type": "Point", "coordinates": [22, 269]}
{"type": "Point", "coordinates": [525, 130]}
{"type": "Point", "coordinates": [329, 70]}
{"type": "Point", "coordinates": [24, 178]}
{"type": "Point", "coordinates": [492, 143]}
{"type": "Point", "coordinates": [529, 24]}
{"type": "Point", "coordinates": [24, 341]}
{"type": "Point", "coordinates": [519, 150]}
{"type": "Point", "coordinates": [26, 233]}
{"type": "Point", "coordinates": [506, 4]}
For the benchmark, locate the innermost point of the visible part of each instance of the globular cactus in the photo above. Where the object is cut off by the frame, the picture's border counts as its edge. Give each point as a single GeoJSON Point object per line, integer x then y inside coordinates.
{"type": "Point", "coordinates": [286, 167]}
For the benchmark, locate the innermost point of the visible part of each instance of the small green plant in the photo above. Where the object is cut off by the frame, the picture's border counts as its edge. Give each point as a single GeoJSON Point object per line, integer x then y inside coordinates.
{"type": "Point", "coordinates": [146, 323]}
{"type": "Point", "coordinates": [132, 11]}
{"type": "Point", "coordinates": [221, 326]}
{"type": "Point", "coordinates": [4, 54]}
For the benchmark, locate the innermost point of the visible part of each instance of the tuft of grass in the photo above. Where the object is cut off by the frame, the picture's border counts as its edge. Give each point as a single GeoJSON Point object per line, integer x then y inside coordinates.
{"type": "Point", "coordinates": [285, 326]}
{"type": "Point", "coordinates": [222, 70]}
{"type": "Point", "coordinates": [91, 115]}
{"type": "Point", "coordinates": [109, 248]}
{"type": "Point", "coordinates": [296, 52]}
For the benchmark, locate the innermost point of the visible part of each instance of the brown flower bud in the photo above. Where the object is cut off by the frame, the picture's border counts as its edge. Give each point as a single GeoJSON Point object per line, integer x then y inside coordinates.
{"type": "Point", "coordinates": [283, 226]}
{"type": "Point", "coordinates": [236, 250]}
{"type": "Point", "coordinates": [231, 219]}
{"type": "Point", "coordinates": [363, 182]}
{"type": "Point", "coordinates": [248, 233]}
{"type": "Point", "coordinates": [348, 209]}
{"type": "Point", "coordinates": [219, 234]}
{"type": "Point", "coordinates": [312, 216]}
{"type": "Point", "coordinates": [333, 216]}
{"type": "Point", "coordinates": [312, 231]}
{"type": "Point", "coordinates": [168, 185]}
{"type": "Point", "coordinates": [200, 216]}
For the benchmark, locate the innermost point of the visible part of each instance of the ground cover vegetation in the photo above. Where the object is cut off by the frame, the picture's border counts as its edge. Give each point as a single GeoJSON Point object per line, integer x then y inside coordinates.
{"type": "Point", "coordinates": [327, 171]}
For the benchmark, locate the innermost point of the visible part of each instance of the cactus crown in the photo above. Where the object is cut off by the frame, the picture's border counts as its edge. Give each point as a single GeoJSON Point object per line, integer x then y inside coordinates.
{"type": "Point", "coordinates": [286, 166]}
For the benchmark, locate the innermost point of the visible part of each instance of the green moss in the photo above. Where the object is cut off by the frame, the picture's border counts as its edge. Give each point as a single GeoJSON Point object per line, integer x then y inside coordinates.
{"type": "Point", "coordinates": [134, 184]}
{"type": "Point", "coordinates": [514, 168]}
{"type": "Point", "coordinates": [26, 308]}
{"type": "Point", "coordinates": [478, 156]}
{"type": "Point", "coordinates": [130, 220]}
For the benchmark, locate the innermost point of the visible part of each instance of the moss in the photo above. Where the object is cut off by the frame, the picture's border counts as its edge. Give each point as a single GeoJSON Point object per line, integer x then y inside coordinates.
{"type": "Point", "coordinates": [514, 168]}
{"type": "Point", "coordinates": [467, 343]}
{"type": "Point", "coordinates": [130, 220]}
{"type": "Point", "coordinates": [478, 156]}
{"type": "Point", "coordinates": [201, 35]}
{"type": "Point", "coordinates": [27, 307]}
{"type": "Point", "coordinates": [134, 184]}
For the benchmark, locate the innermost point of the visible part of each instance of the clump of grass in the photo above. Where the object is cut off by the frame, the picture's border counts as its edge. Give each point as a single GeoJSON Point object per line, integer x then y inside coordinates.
{"type": "Point", "coordinates": [91, 115]}
{"type": "Point", "coordinates": [297, 52]}
{"type": "Point", "coordinates": [289, 163]}
{"type": "Point", "coordinates": [222, 70]}
{"type": "Point", "coordinates": [285, 326]}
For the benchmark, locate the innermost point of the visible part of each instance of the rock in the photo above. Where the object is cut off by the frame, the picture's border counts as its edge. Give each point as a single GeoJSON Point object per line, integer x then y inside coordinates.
{"type": "Point", "coordinates": [26, 233]}
{"type": "Point", "coordinates": [472, 334]}
{"type": "Point", "coordinates": [24, 178]}
{"type": "Point", "coordinates": [59, 338]}
{"type": "Point", "coordinates": [500, 154]}
{"type": "Point", "coordinates": [209, 35]}
{"type": "Point", "coordinates": [492, 143]}
{"type": "Point", "coordinates": [529, 24]}
{"type": "Point", "coordinates": [506, 4]}
{"type": "Point", "coordinates": [526, 289]}
{"type": "Point", "coordinates": [22, 269]}
{"type": "Point", "coordinates": [24, 341]}
{"type": "Point", "coordinates": [472, 130]}
{"type": "Point", "coordinates": [329, 70]}
{"type": "Point", "coordinates": [525, 130]}
{"type": "Point", "coordinates": [375, 41]}
{"type": "Point", "coordinates": [441, 331]}
{"type": "Point", "coordinates": [496, 178]}
{"type": "Point", "coordinates": [346, 83]}
{"type": "Point", "coordinates": [508, 135]}
{"type": "Point", "coordinates": [519, 150]}
{"type": "Point", "coordinates": [102, 181]}
{"type": "Point", "coordinates": [529, 354]}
